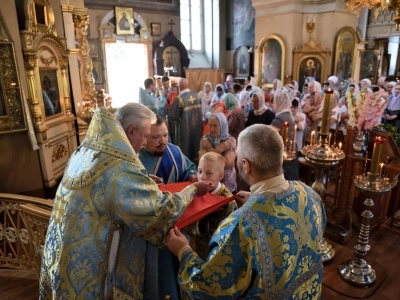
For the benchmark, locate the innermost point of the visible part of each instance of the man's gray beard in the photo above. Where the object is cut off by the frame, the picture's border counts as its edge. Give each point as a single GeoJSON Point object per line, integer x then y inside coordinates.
{"type": "Point", "coordinates": [158, 153]}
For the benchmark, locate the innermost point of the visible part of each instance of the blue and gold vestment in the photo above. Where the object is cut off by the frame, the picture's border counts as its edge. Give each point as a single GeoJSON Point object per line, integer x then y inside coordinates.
{"type": "Point", "coordinates": [267, 249]}
{"type": "Point", "coordinates": [105, 188]}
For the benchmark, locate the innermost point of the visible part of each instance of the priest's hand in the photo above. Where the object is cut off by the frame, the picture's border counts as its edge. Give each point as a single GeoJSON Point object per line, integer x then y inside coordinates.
{"type": "Point", "coordinates": [203, 187]}
{"type": "Point", "coordinates": [193, 178]}
{"type": "Point", "coordinates": [176, 241]}
{"type": "Point", "coordinates": [241, 197]}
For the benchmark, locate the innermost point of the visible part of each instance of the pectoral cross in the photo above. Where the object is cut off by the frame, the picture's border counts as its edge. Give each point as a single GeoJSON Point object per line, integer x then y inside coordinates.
{"type": "Point", "coordinates": [171, 23]}
{"type": "Point", "coordinates": [191, 99]}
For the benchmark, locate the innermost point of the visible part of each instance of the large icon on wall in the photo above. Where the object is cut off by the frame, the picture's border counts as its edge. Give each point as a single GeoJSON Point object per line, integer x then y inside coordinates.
{"type": "Point", "coordinates": [241, 62]}
{"type": "Point", "coordinates": [310, 67]}
{"type": "Point", "coordinates": [271, 59]}
{"type": "Point", "coordinates": [172, 60]}
{"type": "Point", "coordinates": [124, 22]}
{"type": "Point", "coordinates": [369, 64]}
{"type": "Point", "coordinates": [346, 47]}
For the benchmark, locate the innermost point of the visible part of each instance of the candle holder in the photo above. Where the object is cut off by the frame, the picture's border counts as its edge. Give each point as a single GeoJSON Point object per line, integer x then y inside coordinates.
{"type": "Point", "coordinates": [322, 157]}
{"type": "Point", "coordinates": [357, 271]}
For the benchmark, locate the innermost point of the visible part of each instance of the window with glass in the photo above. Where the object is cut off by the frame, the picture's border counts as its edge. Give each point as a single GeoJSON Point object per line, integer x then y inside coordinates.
{"type": "Point", "coordinates": [192, 24]}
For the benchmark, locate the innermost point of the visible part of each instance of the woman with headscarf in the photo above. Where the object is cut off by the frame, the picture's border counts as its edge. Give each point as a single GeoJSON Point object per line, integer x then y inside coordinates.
{"type": "Point", "coordinates": [206, 96]}
{"type": "Point", "coordinates": [283, 114]}
{"type": "Point", "coordinates": [343, 84]}
{"type": "Point", "coordinates": [228, 84]}
{"type": "Point", "coordinates": [365, 86]}
{"type": "Point", "coordinates": [235, 117]}
{"type": "Point", "coordinates": [219, 140]}
{"type": "Point", "coordinates": [276, 86]}
{"type": "Point", "coordinates": [259, 114]}
{"type": "Point", "coordinates": [218, 94]}
{"type": "Point", "coordinates": [244, 101]}
{"type": "Point", "coordinates": [312, 104]}
{"type": "Point", "coordinates": [250, 80]}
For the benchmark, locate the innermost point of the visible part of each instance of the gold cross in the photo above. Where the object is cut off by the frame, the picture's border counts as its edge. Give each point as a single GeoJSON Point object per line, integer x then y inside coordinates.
{"type": "Point", "coordinates": [191, 99]}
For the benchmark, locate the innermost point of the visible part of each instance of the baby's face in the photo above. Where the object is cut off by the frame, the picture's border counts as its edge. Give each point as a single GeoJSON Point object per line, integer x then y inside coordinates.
{"type": "Point", "coordinates": [209, 171]}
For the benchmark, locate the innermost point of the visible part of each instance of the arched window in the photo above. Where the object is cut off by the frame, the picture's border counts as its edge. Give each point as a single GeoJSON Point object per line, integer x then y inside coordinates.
{"type": "Point", "coordinates": [192, 24]}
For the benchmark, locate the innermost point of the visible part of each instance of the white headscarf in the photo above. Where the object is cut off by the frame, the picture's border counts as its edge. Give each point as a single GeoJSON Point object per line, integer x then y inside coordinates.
{"type": "Point", "coordinates": [260, 94]}
{"type": "Point", "coordinates": [282, 103]}
{"type": "Point", "coordinates": [278, 86]}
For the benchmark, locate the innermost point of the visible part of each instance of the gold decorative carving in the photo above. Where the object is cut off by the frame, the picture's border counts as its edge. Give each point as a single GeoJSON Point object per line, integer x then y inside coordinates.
{"type": "Point", "coordinates": [31, 17]}
{"type": "Point", "coordinates": [81, 22]}
{"type": "Point", "coordinates": [12, 114]}
{"type": "Point", "coordinates": [65, 85]}
{"type": "Point", "coordinates": [29, 40]}
{"type": "Point", "coordinates": [47, 61]}
{"type": "Point", "coordinates": [67, 8]}
{"type": "Point", "coordinates": [59, 152]}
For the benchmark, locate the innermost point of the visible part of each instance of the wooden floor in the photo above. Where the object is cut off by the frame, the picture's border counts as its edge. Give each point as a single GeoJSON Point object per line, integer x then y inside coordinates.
{"type": "Point", "coordinates": [385, 250]}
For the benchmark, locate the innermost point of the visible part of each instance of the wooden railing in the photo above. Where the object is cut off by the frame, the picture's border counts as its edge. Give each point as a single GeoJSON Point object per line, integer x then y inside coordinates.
{"type": "Point", "coordinates": [23, 226]}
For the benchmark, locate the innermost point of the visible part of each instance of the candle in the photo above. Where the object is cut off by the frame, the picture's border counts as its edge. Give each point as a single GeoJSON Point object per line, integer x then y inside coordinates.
{"type": "Point", "coordinates": [329, 139]}
{"type": "Point", "coordinates": [312, 137]}
{"type": "Point", "coordinates": [326, 114]}
{"type": "Point", "coordinates": [285, 130]}
{"type": "Point", "coordinates": [381, 169]}
{"type": "Point", "coordinates": [376, 155]}
{"type": "Point", "coordinates": [340, 146]}
{"type": "Point", "coordinates": [295, 138]}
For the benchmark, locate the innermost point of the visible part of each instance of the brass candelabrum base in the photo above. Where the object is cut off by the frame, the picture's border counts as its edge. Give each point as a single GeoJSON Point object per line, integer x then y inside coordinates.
{"type": "Point", "coordinates": [322, 157]}
{"type": "Point", "coordinates": [357, 271]}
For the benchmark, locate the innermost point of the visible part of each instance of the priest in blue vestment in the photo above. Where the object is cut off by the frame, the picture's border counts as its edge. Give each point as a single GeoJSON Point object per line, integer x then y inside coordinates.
{"type": "Point", "coordinates": [105, 210]}
{"type": "Point", "coordinates": [163, 159]}
{"type": "Point", "coordinates": [270, 247]}
{"type": "Point", "coordinates": [170, 165]}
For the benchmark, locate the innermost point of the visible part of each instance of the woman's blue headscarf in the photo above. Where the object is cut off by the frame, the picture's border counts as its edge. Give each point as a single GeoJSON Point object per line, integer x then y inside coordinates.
{"type": "Point", "coordinates": [224, 134]}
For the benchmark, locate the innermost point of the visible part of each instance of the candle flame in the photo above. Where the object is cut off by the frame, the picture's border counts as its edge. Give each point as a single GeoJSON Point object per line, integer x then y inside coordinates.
{"type": "Point", "coordinates": [340, 145]}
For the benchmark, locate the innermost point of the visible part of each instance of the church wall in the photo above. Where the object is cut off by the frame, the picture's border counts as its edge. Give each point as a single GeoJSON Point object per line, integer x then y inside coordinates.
{"type": "Point", "coordinates": [20, 171]}
{"type": "Point", "coordinates": [291, 27]}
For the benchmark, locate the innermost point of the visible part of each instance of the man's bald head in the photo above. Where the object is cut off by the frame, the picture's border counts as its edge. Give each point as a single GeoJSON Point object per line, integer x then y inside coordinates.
{"type": "Point", "coordinates": [183, 84]}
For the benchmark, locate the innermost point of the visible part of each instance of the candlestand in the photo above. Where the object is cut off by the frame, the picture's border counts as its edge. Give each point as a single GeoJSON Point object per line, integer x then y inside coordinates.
{"type": "Point", "coordinates": [322, 157]}
{"type": "Point", "coordinates": [357, 270]}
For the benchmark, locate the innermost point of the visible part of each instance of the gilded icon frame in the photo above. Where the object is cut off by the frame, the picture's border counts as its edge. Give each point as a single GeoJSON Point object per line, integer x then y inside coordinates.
{"type": "Point", "coordinates": [124, 20]}
{"type": "Point", "coordinates": [369, 64]}
{"type": "Point", "coordinates": [311, 50]}
{"type": "Point", "coordinates": [241, 62]}
{"type": "Point", "coordinates": [155, 29]}
{"type": "Point", "coordinates": [345, 51]}
{"type": "Point", "coordinates": [276, 58]}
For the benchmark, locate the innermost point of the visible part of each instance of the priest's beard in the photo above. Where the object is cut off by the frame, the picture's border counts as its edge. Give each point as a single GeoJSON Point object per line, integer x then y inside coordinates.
{"type": "Point", "coordinates": [158, 153]}
{"type": "Point", "coordinates": [242, 174]}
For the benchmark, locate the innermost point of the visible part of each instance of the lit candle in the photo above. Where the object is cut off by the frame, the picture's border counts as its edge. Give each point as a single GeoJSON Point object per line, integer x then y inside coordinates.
{"type": "Point", "coordinates": [312, 137]}
{"type": "Point", "coordinates": [295, 139]}
{"type": "Point", "coordinates": [326, 114]}
{"type": "Point", "coordinates": [376, 155]}
{"type": "Point", "coordinates": [285, 130]}
{"type": "Point", "coordinates": [329, 139]}
{"type": "Point", "coordinates": [340, 146]}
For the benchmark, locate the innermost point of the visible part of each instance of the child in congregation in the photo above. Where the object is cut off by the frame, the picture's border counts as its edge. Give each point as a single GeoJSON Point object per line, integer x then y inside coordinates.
{"type": "Point", "coordinates": [211, 168]}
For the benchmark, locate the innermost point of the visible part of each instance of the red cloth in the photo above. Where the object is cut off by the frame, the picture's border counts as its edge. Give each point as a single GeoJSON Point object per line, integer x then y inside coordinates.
{"type": "Point", "coordinates": [200, 207]}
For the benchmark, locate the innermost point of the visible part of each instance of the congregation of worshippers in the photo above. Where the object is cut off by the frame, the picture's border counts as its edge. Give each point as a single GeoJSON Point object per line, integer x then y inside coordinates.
{"type": "Point", "coordinates": [228, 108]}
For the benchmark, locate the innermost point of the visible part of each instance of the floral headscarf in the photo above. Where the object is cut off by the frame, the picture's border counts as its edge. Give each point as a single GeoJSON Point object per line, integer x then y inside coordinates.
{"type": "Point", "coordinates": [224, 130]}
{"type": "Point", "coordinates": [282, 103]}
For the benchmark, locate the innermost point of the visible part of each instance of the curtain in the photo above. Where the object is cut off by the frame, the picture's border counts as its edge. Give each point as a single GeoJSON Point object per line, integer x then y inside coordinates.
{"type": "Point", "coordinates": [197, 78]}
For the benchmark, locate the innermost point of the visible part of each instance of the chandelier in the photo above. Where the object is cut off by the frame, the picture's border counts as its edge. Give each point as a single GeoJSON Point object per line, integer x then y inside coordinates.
{"type": "Point", "coordinates": [355, 6]}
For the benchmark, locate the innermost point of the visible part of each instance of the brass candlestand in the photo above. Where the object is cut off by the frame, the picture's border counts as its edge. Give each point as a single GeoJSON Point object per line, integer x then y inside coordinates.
{"type": "Point", "coordinates": [357, 270]}
{"type": "Point", "coordinates": [322, 157]}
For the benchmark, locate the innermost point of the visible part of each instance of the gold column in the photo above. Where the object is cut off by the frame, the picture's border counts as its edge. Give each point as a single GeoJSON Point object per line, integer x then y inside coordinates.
{"type": "Point", "coordinates": [67, 102]}
{"type": "Point", "coordinates": [30, 65]}
{"type": "Point", "coordinates": [81, 22]}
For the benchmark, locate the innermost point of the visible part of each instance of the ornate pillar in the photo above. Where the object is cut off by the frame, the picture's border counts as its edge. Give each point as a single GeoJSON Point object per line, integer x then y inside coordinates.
{"type": "Point", "coordinates": [30, 65]}
{"type": "Point", "coordinates": [81, 22]}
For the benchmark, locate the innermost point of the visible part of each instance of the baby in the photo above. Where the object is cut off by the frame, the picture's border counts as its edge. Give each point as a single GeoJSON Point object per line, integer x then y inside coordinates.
{"type": "Point", "coordinates": [211, 169]}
